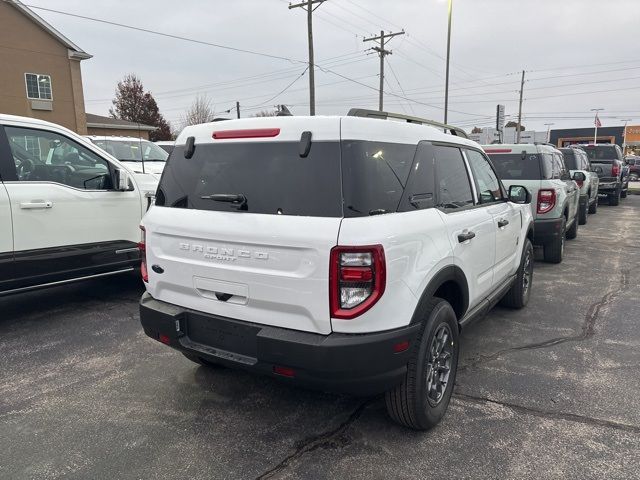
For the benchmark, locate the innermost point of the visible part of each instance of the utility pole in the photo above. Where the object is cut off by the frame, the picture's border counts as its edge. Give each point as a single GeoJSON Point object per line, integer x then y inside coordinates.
{"type": "Point", "coordinates": [382, 53]}
{"type": "Point", "coordinates": [520, 110]}
{"type": "Point", "coordinates": [308, 5]}
{"type": "Point", "coordinates": [238, 109]}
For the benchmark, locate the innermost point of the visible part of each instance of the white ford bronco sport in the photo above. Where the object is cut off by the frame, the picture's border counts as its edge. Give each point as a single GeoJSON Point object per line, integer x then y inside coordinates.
{"type": "Point", "coordinates": [341, 253]}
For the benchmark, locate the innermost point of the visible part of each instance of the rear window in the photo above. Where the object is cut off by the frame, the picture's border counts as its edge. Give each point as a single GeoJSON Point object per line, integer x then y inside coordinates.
{"type": "Point", "coordinates": [520, 166]}
{"type": "Point", "coordinates": [601, 153]}
{"type": "Point", "coordinates": [271, 176]}
{"type": "Point", "coordinates": [350, 179]}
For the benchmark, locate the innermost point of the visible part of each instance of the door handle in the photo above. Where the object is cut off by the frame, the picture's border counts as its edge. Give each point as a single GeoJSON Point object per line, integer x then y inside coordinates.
{"type": "Point", "coordinates": [503, 222]}
{"type": "Point", "coordinates": [36, 205]}
{"type": "Point", "coordinates": [463, 237]}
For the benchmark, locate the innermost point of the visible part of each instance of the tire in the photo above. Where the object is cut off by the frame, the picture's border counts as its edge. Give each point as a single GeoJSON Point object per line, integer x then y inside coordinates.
{"type": "Point", "coordinates": [554, 251]}
{"type": "Point", "coordinates": [593, 208]}
{"type": "Point", "coordinates": [573, 231]}
{"type": "Point", "coordinates": [410, 404]}
{"type": "Point", "coordinates": [583, 215]}
{"type": "Point", "coordinates": [614, 199]}
{"type": "Point", "coordinates": [201, 361]}
{"type": "Point", "coordinates": [623, 194]}
{"type": "Point", "coordinates": [519, 293]}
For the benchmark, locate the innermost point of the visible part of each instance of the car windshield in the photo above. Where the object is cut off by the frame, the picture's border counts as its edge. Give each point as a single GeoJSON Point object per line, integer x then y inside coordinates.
{"type": "Point", "coordinates": [600, 153]}
{"type": "Point", "coordinates": [134, 150]}
{"type": "Point", "coordinates": [517, 166]}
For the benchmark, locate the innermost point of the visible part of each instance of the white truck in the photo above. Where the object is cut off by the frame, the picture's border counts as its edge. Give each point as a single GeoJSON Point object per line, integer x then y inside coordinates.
{"type": "Point", "coordinates": [68, 210]}
{"type": "Point", "coordinates": [341, 253]}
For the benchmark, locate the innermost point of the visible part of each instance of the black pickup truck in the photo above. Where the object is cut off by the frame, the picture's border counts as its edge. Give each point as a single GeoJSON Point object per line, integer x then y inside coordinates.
{"type": "Point", "coordinates": [607, 161]}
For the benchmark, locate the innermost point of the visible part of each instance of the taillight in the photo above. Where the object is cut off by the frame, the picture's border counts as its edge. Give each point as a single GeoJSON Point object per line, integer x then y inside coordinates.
{"type": "Point", "coordinates": [357, 277]}
{"type": "Point", "coordinates": [580, 183]}
{"type": "Point", "coordinates": [615, 169]}
{"type": "Point", "coordinates": [142, 246]}
{"type": "Point", "coordinates": [546, 200]}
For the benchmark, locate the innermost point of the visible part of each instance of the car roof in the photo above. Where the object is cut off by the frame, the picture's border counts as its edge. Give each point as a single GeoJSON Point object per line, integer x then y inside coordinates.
{"type": "Point", "coordinates": [324, 128]}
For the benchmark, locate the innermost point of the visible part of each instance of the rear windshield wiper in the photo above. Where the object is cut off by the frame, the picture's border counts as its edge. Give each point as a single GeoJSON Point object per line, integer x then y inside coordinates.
{"type": "Point", "coordinates": [238, 199]}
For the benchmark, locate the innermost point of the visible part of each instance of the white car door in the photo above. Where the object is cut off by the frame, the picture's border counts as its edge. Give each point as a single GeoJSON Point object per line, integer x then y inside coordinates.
{"type": "Point", "coordinates": [469, 225]}
{"type": "Point", "coordinates": [6, 238]}
{"type": "Point", "coordinates": [68, 220]}
{"type": "Point", "coordinates": [506, 216]}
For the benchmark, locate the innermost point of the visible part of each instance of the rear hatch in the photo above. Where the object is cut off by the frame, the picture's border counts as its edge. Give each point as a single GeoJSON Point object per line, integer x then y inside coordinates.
{"type": "Point", "coordinates": [603, 157]}
{"type": "Point", "coordinates": [526, 169]}
{"type": "Point", "coordinates": [244, 228]}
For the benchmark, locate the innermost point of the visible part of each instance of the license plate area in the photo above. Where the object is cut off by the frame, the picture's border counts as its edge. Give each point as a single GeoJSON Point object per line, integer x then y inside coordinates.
{"type": "Point", "coordinates": [222, 337]}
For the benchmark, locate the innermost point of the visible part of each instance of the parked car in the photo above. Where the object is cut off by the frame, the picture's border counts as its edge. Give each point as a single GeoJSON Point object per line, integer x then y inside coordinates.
{"type": "Point", "coordinates": [68, 211]}
{"type": "Point", "coordinates": [167, 146]}
{"type": "Point", "coordinates": [541, 169]}
{"type": "Point", "coordinates": [634, 167]}
{"type": "Point", "coordinates": [606, 161]}
{"type": "Point", "coordinates": [576, 160]}
{"type": "Point", "coordinates": [141, 156]}
{"type": "Point", "coordinates": [341, 253]}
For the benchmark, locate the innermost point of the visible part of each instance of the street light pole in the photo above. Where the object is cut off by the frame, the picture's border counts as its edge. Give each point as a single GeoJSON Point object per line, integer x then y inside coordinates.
{"type": "Point", "coordinates": [548, 125]}
{"type": "Point", "coordinates": [446, 85]}
{"type": "Point", "coordinates": [624, 135]}
{"type": "Point", "coordinates": [595, 123]}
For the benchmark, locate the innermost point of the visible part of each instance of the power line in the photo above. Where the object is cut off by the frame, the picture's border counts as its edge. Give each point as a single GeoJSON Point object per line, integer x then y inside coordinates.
{"type": "Point", "coordinates": [382, 53]}
{"type": "Point", "coordinates": [169, 35]}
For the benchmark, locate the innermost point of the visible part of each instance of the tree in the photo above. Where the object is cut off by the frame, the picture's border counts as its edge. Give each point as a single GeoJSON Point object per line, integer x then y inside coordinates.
{"type": "Point", "coordinates": [133, 104]}
{"type": "Point", "coordinates": [515, 125]}
{"type": "Point", "coordinates": [476, 130]}
{"type": "Point", "coordinates": [265, 113]}
{"type": "Point", "coordinates": [199, 112]}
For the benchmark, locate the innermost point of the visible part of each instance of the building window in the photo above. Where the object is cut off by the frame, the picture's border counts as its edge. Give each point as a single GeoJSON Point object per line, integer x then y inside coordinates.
{"type": "Point", "coordinates": [38, 86]}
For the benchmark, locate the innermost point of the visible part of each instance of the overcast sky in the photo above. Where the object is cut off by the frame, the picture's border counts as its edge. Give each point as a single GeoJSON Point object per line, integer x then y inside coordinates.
{"type": "Point", "coordinates": [578, 54]}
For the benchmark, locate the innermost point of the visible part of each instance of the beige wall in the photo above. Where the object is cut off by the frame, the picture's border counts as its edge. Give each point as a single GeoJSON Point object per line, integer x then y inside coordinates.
{"type": "Point", "coordinates": [112, 132]}
{"type": "Point", "coordinates": [27, 48]}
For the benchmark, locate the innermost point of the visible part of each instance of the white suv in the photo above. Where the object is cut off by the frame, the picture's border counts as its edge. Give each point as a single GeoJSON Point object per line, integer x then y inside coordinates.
{"type": "Point", "coordinates": [342, 253]}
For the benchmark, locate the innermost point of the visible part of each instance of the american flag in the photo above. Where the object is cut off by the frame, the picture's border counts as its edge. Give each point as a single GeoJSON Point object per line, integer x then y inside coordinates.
{"type": "Point", "coordinates": [597, 121]}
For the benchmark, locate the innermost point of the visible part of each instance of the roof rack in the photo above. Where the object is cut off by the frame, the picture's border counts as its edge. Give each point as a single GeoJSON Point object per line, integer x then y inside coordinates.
{"type": "Point", "coordinates": [363, 112]}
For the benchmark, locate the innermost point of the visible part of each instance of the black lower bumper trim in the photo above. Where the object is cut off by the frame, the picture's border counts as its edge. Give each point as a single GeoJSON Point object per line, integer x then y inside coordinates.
{"type": "Point", "coordinates": [358, 364]}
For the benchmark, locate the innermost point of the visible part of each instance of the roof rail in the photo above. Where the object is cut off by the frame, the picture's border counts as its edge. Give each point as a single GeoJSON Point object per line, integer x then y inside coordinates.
{"type": "Point", "coordinates": [363, 112]}
{"type": "Point", "coordinates": [545, 143]}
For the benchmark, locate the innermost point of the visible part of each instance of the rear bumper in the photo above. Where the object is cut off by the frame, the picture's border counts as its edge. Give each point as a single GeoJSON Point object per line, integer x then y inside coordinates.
{"type": "Point", "coordinates": [546, 230]}
{"type": "Point", "coordinates": [363, 364]}
{"type": "Point", "coordinates": [608, 187]}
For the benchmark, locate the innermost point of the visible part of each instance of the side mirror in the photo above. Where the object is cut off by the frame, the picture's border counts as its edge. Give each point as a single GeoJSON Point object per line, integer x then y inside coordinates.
{"type": "Point", "coordinates": [579, 177]}
{"type": "Point", "coordinates": [122, 180]}
{"type": "Point", "coordinates": [519, 194]}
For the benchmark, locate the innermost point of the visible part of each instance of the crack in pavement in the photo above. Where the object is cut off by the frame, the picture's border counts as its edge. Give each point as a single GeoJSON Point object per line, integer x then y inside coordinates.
{"type": "Point", "coordinates": [571, 417]}
{"type": "Point", "coordinates": [312, 443]}
{"type": "Point", "coordinates": [587, 331]}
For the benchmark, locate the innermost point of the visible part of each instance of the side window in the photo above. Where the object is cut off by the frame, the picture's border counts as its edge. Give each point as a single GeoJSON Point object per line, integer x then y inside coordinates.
{"type": "Point", "coordinates": [420, 190]}
{"type": "Point", "coordinates": [489, 189]}
{"type": "Point", "coordinates": [452, 179]}
{"type": "Point", "coordinates": [43, 156]}
{"type": "Point", "coordinates": [562, 168]}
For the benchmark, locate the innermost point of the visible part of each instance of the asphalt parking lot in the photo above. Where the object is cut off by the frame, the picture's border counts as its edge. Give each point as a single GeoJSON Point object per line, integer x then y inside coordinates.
{"type": "Point", "coordinates": [552, 391]}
